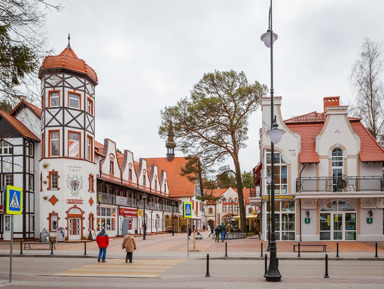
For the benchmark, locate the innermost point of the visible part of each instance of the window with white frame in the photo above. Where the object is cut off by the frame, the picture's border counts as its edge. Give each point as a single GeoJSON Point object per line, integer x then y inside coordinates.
{"type": "Point", "coordinates": [90, 106]}
{"type": "Point", "coordinates": [337, 167]}
{"type": "Point", "coordinates": [74, 100]}
{"type": "Point", "coordinates": [280, 172]}
{"type": "Point", "coordinates": [54, 98]}
{"type": "Point", "coordinates": [54, 143]}
{"type": "Point", "coordinates": [89, 154]}
{"type": "Point", "coordinates": [5, 148]}
{"type": "Point", "coordinates": [8, 180]}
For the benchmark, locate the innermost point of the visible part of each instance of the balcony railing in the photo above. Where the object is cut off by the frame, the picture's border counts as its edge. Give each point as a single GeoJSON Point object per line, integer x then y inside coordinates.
{"type": "Point", "coordinates": [112, 200]}
{"type": "Point", "coordinates": [340, 184]}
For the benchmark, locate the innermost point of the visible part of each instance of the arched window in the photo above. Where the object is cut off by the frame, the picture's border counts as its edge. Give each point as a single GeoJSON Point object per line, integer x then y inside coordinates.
{"type": "Point", "coordinates": [337, 167]}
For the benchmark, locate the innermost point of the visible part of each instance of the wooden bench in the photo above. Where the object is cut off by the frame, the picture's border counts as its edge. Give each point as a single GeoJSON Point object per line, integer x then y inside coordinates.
{"type": "Point", "coordinates": [27, 245]}
{"type": "Point", "coordinates": [324, 247]}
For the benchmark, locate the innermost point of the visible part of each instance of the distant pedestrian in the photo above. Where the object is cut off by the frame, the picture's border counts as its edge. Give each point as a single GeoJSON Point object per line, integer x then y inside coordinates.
{"type": "Point", "coordinates": [102, 241]}
{"type": "Point", "coordinates": [203, 227]}
{"type": "Point", "coordinates": [217, 233]}
{"type": "Point", "coordinates": [223, 232]}
{"type": "Point", "coordinates": [129, 245]}
{"type": "Point", "coordinates": [211, 228]}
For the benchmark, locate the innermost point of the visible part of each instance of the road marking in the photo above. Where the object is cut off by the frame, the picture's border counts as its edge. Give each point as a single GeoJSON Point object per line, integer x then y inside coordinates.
{"type": "Point", "coordinates": [118, 268]}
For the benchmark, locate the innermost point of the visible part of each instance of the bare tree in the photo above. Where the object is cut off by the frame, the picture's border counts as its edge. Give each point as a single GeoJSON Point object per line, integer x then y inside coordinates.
{"type": "Point", "coordinates": [366, 78]}
{"type": "Point", "coordinates": [22, 46]}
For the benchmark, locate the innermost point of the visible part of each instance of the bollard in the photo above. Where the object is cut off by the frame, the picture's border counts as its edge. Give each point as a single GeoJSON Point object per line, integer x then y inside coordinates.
{"type": "Point", "coordinates": [207, 274]}
{"type": "Point", "coordinates": [226, 252]}
{"type": "Point", "coordinates": [326, 266]}
{"type": "Point", "coordinates": [51, 248]}
{"type": "Point", "coordinates": [337, 250]}
{"type": "Point", "coordinates": [277, 262]}
{"type": "Point", "coordinates": [21, 247]}
{"type": "Point", "coordinates": [85, 248]}
{"type": "Point", "coordinates": [298, 250]}
{"type": "Point", "coordinates": [376, 256]}
{"type": "Point", "coordinates": [265, 264]}
{"type": "Point", "coordinates": [261, 250]}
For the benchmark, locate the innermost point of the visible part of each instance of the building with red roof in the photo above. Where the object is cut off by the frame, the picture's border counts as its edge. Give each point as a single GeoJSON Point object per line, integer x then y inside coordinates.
{"type": "Point", "coordinates": [328, 176]}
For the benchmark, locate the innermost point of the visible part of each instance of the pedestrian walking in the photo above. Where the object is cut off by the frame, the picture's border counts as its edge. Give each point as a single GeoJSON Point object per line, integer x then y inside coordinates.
{"type": "Point", "coordinates": [217, 233]}
{"type": "Point", "coordinates": [223, 232]}
{"type": "Point", "coordinates": [211, 228]}
{"type": "Point", "coordinates": [129, 245]}
{"type": "Point", "coordinates": [102, 241]}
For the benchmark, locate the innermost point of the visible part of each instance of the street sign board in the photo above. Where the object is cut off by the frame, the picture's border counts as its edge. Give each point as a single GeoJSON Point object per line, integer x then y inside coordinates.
{"type": "Point", "coordinates": [307, 220]}
{"type": "Point", "coordinates": [14, 200]}
{"type": "Point", "coordinates": [187, 210]}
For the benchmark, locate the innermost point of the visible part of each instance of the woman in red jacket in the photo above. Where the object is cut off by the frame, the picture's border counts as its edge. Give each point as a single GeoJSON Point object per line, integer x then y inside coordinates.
{"type": "Point", "coordinates": [102, 241]}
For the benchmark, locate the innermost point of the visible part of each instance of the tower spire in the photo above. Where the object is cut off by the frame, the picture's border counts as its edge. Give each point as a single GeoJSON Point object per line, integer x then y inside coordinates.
{"type": "Point", "coordinates": [69, 41]}
{"type": "Point", "coordinates": [170, 145]}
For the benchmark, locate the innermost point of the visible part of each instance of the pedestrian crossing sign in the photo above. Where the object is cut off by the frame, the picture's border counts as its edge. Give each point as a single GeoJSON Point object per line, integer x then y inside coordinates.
{"type": "Point", "coordinates": [187, 210]}
{"type": "Point", "coordinates": [14, 200]}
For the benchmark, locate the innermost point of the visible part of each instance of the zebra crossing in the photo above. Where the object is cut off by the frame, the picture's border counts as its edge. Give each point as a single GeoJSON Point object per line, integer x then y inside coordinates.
{"type": "Point", "coordinates": [118, 268]}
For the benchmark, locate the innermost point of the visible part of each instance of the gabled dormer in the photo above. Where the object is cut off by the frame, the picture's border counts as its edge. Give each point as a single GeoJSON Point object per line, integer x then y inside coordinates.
{"type": "Point", "coordinates": [109, 167]}
{"type": "Point", "coordinates": [128, 169]}
{"type": "Point", "coordinates": [154, 180]}
{"type": "Point", "coordinates": [142, 175]}
{"type": "Point", "coordinates": [164, 184]}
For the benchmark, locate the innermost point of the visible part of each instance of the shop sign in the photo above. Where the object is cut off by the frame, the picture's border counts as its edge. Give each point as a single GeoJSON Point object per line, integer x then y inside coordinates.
{"type": "Point", "coordinates": [75, 201]}
{"type": "Point", "coordinates": [279, 197]}
{"type": "Point", "coordinates": [307, 220]}
{"type": "Point", "coordinates": [369, 220]}
{"type": "Point", "coordinates": [128, 212]}
{"type": "Point", "coordinates": [140, 213]}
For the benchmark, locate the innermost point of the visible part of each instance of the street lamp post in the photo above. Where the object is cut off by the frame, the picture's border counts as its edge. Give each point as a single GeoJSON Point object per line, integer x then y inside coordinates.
{"type": "Point", "coordinates": [269, 210]}
{"type": "Point", "coordinates": [173, 210]}
{"type": "Point", "coordinates": [275, 134]}
{"type": "Point", "coordinates": [145, 224]}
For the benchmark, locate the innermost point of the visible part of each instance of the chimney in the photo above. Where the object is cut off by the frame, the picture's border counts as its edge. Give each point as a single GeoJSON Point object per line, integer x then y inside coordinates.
{"type": "Point", "coordinates": [331, 101]}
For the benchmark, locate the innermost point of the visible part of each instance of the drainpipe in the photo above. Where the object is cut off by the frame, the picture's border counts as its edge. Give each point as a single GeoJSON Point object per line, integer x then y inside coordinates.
{"type": "Point", "coordinates": [300, 205]}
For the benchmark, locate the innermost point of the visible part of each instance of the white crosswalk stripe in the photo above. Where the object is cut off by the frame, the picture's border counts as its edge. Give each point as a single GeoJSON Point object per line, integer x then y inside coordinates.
{"type": "Point", "coordinates": [118, 268]}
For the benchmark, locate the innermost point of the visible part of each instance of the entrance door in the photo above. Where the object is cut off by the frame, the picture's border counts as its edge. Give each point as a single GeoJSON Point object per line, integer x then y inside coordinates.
{"type": "Point", "coordinates": [125, 227]}
{"type": "Point", "coordinates": [74, 228]}
{"type": "Point", "coordinates": [337, 227]}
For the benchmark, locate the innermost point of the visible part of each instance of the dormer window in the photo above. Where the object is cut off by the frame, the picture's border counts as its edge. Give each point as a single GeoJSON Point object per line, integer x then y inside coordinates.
{"type": "Point", "coordinates": [74, 100]}
{"type": "Point", "coordinates": [111, 170]}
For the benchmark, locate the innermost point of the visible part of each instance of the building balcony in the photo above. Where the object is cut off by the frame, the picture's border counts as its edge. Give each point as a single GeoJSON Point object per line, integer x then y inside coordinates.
{"type": "Point", "coordinates": [340, 184]}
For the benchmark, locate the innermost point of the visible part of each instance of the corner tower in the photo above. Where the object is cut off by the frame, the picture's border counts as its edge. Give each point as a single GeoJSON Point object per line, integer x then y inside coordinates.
{"type": "Point", "coordinates": [67, 167]}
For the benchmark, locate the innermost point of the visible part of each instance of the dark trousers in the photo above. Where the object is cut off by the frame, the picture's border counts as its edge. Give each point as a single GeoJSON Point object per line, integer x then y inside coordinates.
{"type": "Point", "coordinates": [129, 257]}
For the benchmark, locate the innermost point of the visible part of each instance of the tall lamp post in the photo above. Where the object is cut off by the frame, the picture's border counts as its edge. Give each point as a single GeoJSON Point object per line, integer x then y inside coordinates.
{"type": "Point", "coordinates": [173, 210]}
{"type": "Point", "coordinates": [145, 224]}
{"type": "Point", "coordinates": [269, 209]}
{"type": "Point", "coordinates": [275, 134]}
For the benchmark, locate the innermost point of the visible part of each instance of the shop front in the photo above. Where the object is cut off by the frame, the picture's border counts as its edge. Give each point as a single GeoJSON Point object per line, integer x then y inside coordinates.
{"type": "Point", "coordinates": [127, 220]}
{"type": "Point", "coordinates": [106, 218]}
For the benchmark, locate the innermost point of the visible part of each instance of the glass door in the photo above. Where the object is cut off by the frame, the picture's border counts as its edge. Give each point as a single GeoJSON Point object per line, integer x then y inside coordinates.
{"type": "Point", "coordinates": [350, 226]}
{"type": "Point", "coordinates": [337, 226]}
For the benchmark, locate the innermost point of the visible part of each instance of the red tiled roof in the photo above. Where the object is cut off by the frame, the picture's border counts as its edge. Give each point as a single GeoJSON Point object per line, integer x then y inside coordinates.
{"type": "Point", "coordinates": [36, 110]}
{"type": "Point", "coordinates": [370, 150]}
{"type": "Point", "coordinates": [19, 126]}
{"type": "Point", "coordinates": [179, 186]}
{"type": "Point", "coordinates": [256, 173]}
{"type": "Point", "coordinates": [308, 126]}
{"type": "Point", "coordinates": [308, 133]}
{"type": "Point", "coordinates": [69, 60]}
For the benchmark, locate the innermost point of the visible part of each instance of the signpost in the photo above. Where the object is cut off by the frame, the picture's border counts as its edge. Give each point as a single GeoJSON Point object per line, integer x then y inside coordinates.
{"type": "Point", "coordinates": [13, 206]}
{"type": "Point", "coordinates": [187, 215]}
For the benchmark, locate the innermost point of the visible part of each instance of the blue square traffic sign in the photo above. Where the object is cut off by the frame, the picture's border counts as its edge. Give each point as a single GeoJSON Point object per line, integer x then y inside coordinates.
{"type": "Point", "coordinates": [14, 200]}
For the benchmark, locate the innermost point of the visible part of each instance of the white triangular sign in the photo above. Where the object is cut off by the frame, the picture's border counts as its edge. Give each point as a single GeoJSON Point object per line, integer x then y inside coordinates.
{"type": "Point", "coordinates": [15, 201]}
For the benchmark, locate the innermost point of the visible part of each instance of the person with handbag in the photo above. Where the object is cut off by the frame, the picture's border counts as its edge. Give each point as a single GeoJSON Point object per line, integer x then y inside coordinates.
{"type": "Point", "coordinates": [129, 245]}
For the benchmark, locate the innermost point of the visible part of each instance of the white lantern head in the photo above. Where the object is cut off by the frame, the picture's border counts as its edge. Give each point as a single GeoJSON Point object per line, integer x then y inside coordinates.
{"type": "Point", "coordinates": [275, 134]}
{"type": "Point", "coordinates": [266, 38]}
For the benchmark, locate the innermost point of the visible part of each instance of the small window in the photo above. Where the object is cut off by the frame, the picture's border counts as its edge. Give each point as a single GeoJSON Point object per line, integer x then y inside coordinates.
{"type": "Point", "coordinates": [5, 148]}
{"type": "Point", "coordinates": [111, 170]}
{"type": "Point", "coordinates": [74, 100]}
{"type": "Point", "coordinates": [54, 181]}
{"type": "Point", "coordinates": [89, 155]}
{"type": "Point", "coordinates": [90, 106]}
{"type": "Point", "coordinates": [210, 211]}
{"type": "Point", "coordinates": [144, 181]}
{"type": "Point", "coordinates": [91, 181]}
{"type": "Point", "coordinates": [130, 174]}
{"type": "Point", "coordinates": [54, 143]}
{"type": "Point", "coordinates": [74, 144]}
{"type": "Point", "coordinates": [53, 178]}
{"type": "Point", "coordinates": [54, 98]}
{"type": "Point", "coordinates": [8, 180]}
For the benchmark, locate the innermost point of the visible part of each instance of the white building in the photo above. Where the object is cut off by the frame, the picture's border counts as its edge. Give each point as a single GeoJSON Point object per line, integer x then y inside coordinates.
{"type": "Point", "coordinates": [328, 176]}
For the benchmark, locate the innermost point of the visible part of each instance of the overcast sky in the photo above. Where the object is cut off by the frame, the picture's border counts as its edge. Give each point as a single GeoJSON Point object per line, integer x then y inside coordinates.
{"type": "Point", "coordinates": [149, 53]}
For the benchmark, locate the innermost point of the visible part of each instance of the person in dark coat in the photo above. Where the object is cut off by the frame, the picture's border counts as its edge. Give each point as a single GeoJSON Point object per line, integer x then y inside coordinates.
{"type": "Point", "coordinates": [129, 244]}
{"type": "Point", "coordinates": [102, 241]}
{"type": "Point", "coordinates": [217, 233]}
{"type": "Point", "coordinates": [211, 228]}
